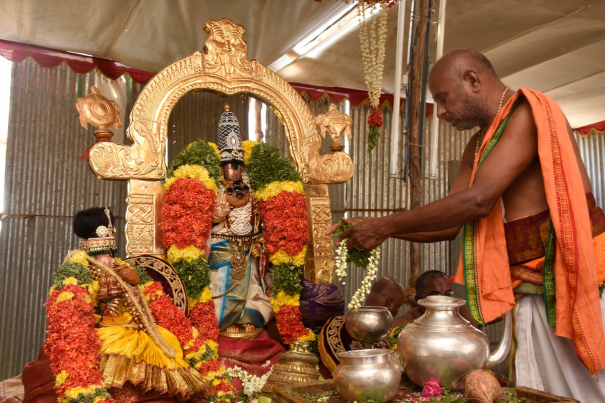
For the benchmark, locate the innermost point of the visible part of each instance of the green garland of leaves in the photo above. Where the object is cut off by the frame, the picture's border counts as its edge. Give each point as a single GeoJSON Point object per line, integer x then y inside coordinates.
{"type": "Point", "coordinates": [81, 398]}
{"type": "Point", "coordinates": [207, 356]}
{"type": "Point", "coordinates": [199, 153]}
{"type": "Point", "coordinates": [287, 278]}
{"type": "Point", "coordinates": [75, 270]}
{"type": "Point", "coordinates": [267, 165]}
{"type": "Point", "coordinates": [195, 274]}
{"type": "Point", "coordinates": [373, 135]}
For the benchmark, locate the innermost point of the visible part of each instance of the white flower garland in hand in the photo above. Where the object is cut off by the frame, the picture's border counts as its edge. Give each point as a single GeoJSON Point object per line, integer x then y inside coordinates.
{"type": "Point", "coordinates": [371, 271]}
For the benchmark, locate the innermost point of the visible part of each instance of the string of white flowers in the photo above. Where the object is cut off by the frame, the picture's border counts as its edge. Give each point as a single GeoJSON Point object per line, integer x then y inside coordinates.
{"type": "Point", "coordinates": [341, 261]}
{"type": "Point", "coordinates": [251, 384]}
{"type": "Point", "coordinates": [373, 44]}
{"type": "Point", "coordinates": [371, 271]}
{"type": "Point", "coordinates": [366, 284]}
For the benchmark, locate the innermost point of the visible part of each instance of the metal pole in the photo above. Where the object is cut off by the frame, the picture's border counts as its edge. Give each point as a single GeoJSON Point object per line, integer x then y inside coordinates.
{"type": "Point", "coordinates": [435, 122]}
{"type": "Point", "coordinates": [394, 171]}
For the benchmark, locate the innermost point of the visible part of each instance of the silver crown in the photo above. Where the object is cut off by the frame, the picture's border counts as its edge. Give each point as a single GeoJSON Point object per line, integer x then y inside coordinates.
{"type": "Point", "coordinates": [229, 139]}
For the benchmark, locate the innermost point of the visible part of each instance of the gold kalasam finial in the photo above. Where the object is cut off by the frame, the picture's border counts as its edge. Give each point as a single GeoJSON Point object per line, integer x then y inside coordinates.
{"type": "Point", "coordinates": [227, 107]}
{"type": "Point", "coordinates": [334, 123]}
{"type": "Point", "coordinates": [100, 112]}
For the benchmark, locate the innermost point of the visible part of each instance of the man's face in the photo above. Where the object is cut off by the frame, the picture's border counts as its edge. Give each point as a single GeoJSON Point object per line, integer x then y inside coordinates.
{"type": "Point", "coordinates": [436, 286]}
{"type": "Point", "coordinates": [395, 304]}
{"type": "Point", "coordinates": [454, 100]}
{"type": "Point", "coordinates": [232, 174]}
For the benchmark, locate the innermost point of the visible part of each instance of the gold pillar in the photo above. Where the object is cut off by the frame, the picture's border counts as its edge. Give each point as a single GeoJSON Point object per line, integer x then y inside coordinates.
{"type": "Point", "coordinates": [143, 232]}
{"type": "Point", "coordinates": [319, 262]}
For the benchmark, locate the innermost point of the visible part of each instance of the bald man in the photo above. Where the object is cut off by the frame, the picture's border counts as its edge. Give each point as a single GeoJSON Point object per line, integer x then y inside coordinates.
{"type": "Point", "coordinates": [334, 337]}
{"type": "Point", "coordinates": [530, 222]}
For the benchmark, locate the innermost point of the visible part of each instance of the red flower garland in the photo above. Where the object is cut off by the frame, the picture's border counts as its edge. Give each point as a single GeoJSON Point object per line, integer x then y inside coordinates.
{"type": "Point", "coordinates": [289, 323]}
{"type": "Point", "coordinates": [285, 223]}
{"type": "Point", "coordinates": [375, 118]}
{"type": "Point", "coordinates": [204, 319]}
{"type": "Point", "coordinates": [187, 214]}
{"type": "Point", "coordinates": [73, 343]}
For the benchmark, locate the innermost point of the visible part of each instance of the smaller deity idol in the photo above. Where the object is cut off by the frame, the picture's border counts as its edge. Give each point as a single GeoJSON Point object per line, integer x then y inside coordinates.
{"type": "Point", "coordinates": [241, 304]}
{"type": "Point", "coordinates": [98, 308]}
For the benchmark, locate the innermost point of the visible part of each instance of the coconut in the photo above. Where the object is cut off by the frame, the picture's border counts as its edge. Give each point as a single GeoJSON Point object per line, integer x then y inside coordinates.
{"type": "Point", "coordinates": [482, 387]}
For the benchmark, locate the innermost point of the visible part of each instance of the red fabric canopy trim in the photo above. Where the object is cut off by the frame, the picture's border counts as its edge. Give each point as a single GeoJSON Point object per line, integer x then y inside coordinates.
{"type": "Point", "coordinates": [355, 97]}
{"type": "Point", "coordinates": [50, 58]}
{"type": "Point", "coordinates": [595, 128]}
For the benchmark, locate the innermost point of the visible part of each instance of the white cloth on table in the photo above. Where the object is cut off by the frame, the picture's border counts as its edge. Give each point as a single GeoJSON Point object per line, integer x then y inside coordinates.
{"type": "Point", "coordinates": [549, 363]}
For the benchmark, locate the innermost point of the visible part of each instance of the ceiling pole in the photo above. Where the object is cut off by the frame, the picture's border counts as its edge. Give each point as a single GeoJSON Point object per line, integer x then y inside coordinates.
{"type": "Point", "coordinates": [394, 163]}
{"type": "Point", "coordinates": [435, 121]}
{"type": "Point", "coordinates": [416, 99]}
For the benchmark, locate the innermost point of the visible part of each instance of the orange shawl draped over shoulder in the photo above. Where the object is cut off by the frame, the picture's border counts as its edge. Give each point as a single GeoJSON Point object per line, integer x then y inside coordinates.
{"type": "Point", "coordinates": [484, 266]}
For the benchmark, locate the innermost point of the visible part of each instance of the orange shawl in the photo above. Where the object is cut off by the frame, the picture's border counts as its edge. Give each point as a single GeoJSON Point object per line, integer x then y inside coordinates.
{"type": "Point", "coordinates": [484, 265]}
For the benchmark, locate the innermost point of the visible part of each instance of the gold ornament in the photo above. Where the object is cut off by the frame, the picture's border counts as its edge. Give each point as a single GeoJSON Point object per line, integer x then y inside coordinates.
{"type": "Point", "coordinates": [335, 123]}
{"type": "Point", "coordinates": [294, 366]}
{"type": "Point", "coordinates": [99, 112]}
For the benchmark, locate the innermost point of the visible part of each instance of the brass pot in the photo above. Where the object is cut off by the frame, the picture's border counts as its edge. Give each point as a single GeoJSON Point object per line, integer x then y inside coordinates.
{"type": "Point", "coordinates": [441, 346]}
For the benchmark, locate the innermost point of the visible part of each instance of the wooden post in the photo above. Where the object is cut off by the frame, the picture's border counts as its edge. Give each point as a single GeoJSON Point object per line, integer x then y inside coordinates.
{"type": "Point", "coordinates": [417, 73]}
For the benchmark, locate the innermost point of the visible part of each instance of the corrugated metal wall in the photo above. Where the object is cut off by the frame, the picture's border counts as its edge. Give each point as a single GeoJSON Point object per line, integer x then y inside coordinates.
{"type": "Point", "coordinates": [592, 150]}
{"type": "Point", "coordinates": [47, 183]}
{"type": "Point", "coordinates": [196, 116]}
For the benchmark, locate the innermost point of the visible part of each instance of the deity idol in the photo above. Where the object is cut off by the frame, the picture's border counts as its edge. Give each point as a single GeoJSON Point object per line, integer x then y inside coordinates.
{"type": "Point", "coordinates": [241, 303]}
{"type": "Point", "coordinates": [103, 341]}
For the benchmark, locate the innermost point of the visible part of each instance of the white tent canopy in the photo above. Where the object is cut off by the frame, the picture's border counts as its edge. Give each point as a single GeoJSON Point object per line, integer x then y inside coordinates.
{"type": "Point", "coordinates": [555, 46]}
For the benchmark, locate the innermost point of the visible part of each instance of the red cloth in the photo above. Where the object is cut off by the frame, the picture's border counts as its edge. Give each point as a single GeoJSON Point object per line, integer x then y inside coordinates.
{"type": "Point", "coordinates": [39, 381]}
{"type": "Point", "coordinates": [50, 58]}
{"type": "Point", "coordinates": [249, 351]}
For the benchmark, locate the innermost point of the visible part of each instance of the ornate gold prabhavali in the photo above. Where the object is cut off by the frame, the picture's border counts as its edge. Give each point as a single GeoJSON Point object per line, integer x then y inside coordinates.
{"type": "Point", "coordinates": [222, 67]}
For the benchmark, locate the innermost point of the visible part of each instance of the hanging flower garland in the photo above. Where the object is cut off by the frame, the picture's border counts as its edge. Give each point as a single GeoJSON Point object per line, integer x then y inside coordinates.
{"type": "Point", "coordinates": [283, 211]}
{"type": "Point", "coordinates": [73, 343]}
{"type": "Point", "coordinates": [366, 260]}
{"type": "Point", "coordinates": [189, 195]}
{"type": "Point", "coordinates": [372, 41]}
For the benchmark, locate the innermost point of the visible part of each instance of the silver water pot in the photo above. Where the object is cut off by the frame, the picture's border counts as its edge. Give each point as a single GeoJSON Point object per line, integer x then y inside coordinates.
{"type": "Point", "coordinates": [370, 374]}
{"type": "Point", "coordinates": [441, 346]}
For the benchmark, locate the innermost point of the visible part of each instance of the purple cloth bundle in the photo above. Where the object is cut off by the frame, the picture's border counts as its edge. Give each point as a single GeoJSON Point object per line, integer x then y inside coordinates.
{"type": "Point", "coordinates": [320, 302]}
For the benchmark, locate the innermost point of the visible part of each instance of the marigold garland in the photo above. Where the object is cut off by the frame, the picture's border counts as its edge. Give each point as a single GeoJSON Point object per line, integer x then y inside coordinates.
{"type": "Point", "coordinates": [285, 223]}
{"type": "Point", "coordinates": [275, 188]}
{"type": "Point", "coordinates": [248, 145]}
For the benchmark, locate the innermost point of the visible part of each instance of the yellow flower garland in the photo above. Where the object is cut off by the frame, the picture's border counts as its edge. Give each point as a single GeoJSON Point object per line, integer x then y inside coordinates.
{"type": "Point", "coordinates": [281, 257]}
{"type": "Point", "coordinates": [275, 188]}
{"type": "Point", "coordinates": [216, 151]}
{"type": "Point", "coordinates": [61, 378]}
{"type": "Point", "coordinates": [189, 253]}
{"type": "Point", "coordinates": [283, 299]}
{"type": "Point", "coordinates": [248, 145]}
{"type": "Point", "coordinates": [64, 296]}
{"type": "Point", "coordinates": [79, 257]}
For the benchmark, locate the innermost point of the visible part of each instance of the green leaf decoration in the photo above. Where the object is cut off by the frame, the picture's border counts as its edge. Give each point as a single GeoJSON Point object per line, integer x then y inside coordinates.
{"type": "Point", "coordinates": [287, 278]}
{"type": "Point", "coordinates": [195, 274]}
{"type": "Point", "coordinates": [75, 270]}
{"type": "Point", "coordinates": [198, 153]}
{"type": "Point", "coordinates": [267, 165]}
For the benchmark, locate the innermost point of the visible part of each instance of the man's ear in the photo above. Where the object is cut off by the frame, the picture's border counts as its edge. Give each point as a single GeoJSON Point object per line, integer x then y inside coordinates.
{"type": "Point", "coordinates": [388, 302]}
{"type": "Point", "coordinates": [472, 78]}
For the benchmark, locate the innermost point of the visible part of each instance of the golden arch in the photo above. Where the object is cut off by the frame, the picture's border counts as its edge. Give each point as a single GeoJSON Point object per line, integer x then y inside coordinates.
{"type": "Point", "coordinates": [222, 67]}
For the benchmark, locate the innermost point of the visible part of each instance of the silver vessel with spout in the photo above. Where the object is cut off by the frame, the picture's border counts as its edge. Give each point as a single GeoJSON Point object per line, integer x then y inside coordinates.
{"type": "Point", "coordinates": [442, 346]}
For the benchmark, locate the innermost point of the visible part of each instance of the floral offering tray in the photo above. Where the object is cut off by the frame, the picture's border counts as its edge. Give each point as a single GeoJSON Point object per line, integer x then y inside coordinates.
{"type": "Point", "coordinates": [325, 392]}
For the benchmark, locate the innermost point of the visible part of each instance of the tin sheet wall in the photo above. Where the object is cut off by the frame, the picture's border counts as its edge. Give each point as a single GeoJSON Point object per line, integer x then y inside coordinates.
{"type": "Point", "coordinates": [46, 184]}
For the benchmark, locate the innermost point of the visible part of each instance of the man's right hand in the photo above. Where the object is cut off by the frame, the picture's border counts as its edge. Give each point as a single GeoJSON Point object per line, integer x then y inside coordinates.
{"type": "Point", "coordinates": [366, 235]}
